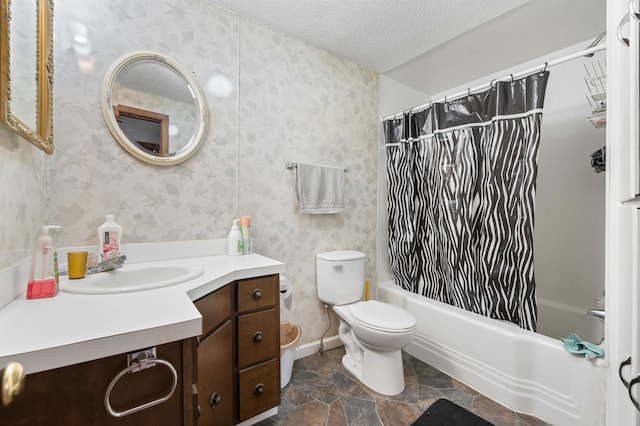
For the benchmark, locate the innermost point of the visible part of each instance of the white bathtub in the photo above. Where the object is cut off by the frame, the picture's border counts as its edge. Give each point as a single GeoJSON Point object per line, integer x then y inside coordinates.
{"type": "Point", "coordinates": [527, 372]}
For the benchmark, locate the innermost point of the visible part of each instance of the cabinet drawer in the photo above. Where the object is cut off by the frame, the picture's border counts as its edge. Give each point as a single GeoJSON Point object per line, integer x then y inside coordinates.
{"type": "Point", "coordinates": [258, 293]}
{"type": "Point", "coordinates": [259, 389]}
{"type": "Point", "coordinates": [258, 337]}
{"type": "Point", "coordinates": [214, 308]}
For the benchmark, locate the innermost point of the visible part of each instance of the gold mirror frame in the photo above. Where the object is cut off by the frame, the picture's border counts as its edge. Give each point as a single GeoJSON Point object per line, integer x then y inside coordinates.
{"type": "Point", "coordinates": [42, 135]}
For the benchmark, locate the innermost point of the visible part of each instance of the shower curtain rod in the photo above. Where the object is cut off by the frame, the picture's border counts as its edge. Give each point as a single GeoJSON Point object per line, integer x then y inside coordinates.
{"type": "Point", "coordinates": [542, 67]}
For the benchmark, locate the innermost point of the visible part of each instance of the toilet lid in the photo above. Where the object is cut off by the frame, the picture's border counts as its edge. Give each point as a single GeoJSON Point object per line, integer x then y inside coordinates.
{"type": "Point", "coordinates": [382, 316]}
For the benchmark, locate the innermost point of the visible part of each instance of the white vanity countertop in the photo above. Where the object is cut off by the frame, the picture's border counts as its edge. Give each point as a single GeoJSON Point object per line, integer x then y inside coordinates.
{"type": "Point", "coordinates": [71, 328]}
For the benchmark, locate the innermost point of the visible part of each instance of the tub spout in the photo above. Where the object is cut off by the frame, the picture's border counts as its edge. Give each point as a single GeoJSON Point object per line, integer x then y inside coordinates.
{"type": "Point", "coordinates": [598, 313]}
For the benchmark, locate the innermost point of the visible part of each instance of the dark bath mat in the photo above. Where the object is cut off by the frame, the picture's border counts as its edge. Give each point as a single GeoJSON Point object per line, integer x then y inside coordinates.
{"type": "Point", "coordinates": [445, 413]}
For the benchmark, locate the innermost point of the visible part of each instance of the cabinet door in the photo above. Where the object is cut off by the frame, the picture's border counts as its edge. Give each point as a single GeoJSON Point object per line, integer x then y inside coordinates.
{"type": "Point", "coordinates": [215, 309]}
{"type": "Point", "coordinates": [215, 378]}
{"type": "Point", "coordinates": [74, 395]}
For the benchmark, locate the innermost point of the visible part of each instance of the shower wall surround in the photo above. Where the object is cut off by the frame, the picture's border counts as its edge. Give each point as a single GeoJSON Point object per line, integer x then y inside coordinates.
{"type": "Point", "coordinates": [285, 101]}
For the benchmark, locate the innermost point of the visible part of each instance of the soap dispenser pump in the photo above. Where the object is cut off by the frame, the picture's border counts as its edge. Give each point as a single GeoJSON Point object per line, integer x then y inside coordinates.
{"type": "Point", "coordinates": [43, 274]}
{"type": "Point", "coordinates": [234, 240]}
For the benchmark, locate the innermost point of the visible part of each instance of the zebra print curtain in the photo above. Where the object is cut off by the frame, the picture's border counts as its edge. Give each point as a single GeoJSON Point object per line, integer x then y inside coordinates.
{"type": "Point", "coordinates": [461, 193]}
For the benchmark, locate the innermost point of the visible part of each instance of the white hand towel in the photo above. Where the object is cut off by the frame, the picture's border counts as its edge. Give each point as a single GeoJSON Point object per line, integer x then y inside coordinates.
{"type": "Point", "coordinates": [319, 189]}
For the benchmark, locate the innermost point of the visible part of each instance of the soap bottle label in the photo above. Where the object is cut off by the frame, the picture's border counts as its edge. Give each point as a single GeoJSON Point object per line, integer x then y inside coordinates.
{"type": "Point", "coordinates": [110, 243]}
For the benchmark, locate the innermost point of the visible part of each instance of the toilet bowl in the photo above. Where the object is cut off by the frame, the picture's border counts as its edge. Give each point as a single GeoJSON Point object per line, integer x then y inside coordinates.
{"type": "Point", "coordinates": [380, 326]}
{"type": "Point", "coordinates": [373, 332]}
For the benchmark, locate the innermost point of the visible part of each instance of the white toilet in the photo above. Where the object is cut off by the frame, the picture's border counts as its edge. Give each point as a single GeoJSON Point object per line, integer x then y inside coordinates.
{"type": "Point", "coordinates": [373, 332]}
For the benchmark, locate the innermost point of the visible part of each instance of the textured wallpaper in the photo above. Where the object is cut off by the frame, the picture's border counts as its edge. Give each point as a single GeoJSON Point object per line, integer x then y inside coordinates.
{"type": "Point", "coordinates": [283, 100]}
{"type": "Point", "coordinates": [193, 200]}
{"type": "Point", "coordinates": [298, 103]}
{"type": "Point", "coordinates": [22, 198]}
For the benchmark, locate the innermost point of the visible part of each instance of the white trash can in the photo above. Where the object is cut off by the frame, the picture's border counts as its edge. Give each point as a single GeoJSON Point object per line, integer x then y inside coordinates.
{"type": "Point", "coordinates": [289, 336]}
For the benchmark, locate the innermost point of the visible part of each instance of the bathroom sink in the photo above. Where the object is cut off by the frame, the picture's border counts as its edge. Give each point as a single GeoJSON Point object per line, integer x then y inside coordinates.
{"type": "Point", "coordinates": [132, 277]}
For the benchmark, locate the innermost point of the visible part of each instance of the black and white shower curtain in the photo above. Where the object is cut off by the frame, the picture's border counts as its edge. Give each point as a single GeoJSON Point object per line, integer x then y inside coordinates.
{"type": "Point", "coordinates": [461, 191]}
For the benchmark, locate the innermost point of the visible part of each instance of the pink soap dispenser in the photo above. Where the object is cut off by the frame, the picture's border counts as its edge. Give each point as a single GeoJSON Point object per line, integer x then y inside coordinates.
{"type": "Point", "coordinates": [43, 274]}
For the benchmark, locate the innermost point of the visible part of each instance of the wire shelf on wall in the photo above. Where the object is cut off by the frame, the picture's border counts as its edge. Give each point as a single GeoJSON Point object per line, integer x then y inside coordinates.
{"type": "Point", "coordinates": [596, 81]}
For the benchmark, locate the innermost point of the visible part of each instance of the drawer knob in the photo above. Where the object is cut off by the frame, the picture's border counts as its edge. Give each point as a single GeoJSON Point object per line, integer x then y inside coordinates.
{"type": "Point", "coordinates": [215, 400]}
{"type": "Point", "coordinates": [258, 390]}
{"type": "Point", "coordinates": [257, 294]}
{"type": "Point", "coordinates": [257, 337]}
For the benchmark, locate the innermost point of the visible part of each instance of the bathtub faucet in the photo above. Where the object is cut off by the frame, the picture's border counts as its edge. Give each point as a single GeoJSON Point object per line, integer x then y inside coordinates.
{"type": "Point", "coordinates": [598, 313]}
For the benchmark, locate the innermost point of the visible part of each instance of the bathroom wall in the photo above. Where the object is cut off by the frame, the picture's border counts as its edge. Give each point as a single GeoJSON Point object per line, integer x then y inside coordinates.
{"type": "Point", "coordinates": [22, 203]}
{"type": "Point", "coordinates": [570, 205]}
{"type": "Point", "coordinates": [288, 102]}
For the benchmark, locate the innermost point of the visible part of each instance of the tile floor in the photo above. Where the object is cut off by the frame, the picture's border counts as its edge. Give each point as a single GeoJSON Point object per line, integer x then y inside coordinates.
{"type": "Point", "coordinates": [322, 392]}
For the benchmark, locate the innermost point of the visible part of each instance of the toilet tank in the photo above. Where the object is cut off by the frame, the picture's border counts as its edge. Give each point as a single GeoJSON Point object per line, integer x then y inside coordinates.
{"type": "Point", "coordinates": [340, 276]}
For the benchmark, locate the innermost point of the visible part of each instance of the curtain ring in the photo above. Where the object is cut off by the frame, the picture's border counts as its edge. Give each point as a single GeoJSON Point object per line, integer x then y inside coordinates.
{"type": "Point", "coordinates": [445, 100]}
{"type": "Point", "coordinates": [469, 92]}
{"type": "Point", "coordinates": [545, 68]}
{"type": "Point", "coordinates": [491, 84]}
{"type": "Point", "coordinates": [511, 78]}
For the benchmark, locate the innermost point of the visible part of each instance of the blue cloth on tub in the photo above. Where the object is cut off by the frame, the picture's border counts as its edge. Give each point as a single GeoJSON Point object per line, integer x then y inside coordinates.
{"type": "Point", "coordinates": [575, 345]}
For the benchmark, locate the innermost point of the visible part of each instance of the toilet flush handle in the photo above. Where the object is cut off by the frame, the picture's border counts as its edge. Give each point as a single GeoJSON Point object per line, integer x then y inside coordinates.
{"type": "Point", "coordinates": [337, 267]}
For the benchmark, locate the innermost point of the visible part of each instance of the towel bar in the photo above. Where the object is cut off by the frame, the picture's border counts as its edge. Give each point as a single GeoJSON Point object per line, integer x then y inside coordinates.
{"type": "Point", "coordinates": [137, 362]}
{"type": "Point", "coordinates": [629, 384]}
{"type": "Point", "coordinates": [290, 165]}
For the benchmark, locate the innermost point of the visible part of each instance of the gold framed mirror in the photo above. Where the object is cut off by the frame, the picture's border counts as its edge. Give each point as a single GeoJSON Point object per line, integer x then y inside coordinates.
{"type": "Point", "coordinates": [26, 70]}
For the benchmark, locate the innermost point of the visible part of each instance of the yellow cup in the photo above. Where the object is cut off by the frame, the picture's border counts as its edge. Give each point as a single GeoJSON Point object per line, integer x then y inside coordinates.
{"type": "Point", "coordinates": [77, 261]}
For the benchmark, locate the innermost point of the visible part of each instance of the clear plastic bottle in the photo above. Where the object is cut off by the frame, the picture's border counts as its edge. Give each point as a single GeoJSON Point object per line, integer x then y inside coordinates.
{"type": "Point", "coordinates": [109, 235]}
{"type": "Point", "coordinates": [234, 240]}
{"type": "Point", "coordinates": [43, 274]}
{"type": "Point", "coordinates": [245, 230]}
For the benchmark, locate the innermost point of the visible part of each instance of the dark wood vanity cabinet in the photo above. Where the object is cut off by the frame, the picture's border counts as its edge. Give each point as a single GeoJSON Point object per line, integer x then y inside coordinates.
{"type": "Point", "coordinates": [239, 351]}
{"type": "Point", "coordinates": [74, 395]}
{"type": "Point", "coordinates": [227, 375]}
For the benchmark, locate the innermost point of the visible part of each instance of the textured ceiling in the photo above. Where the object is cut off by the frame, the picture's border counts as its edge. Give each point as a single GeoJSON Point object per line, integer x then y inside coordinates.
{"type": "Point", "coordinates": [430, 45]}
{"type": "Point", "coordinates": [533, 30]}
{"type": "Point", "coordinates": [377, 34]}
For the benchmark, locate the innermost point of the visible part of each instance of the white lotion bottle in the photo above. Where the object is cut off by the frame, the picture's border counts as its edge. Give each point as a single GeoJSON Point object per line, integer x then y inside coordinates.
{"type": "Point", "coordinates": [234, 240]}
{"type": "Point", "coordinates": [109, 234]}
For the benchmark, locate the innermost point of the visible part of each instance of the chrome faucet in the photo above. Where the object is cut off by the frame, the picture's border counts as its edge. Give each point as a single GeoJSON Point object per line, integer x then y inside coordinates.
{"type": "Point", "coordinates": [109, 264]}
{"type": "Point", "coordinates": [598, 313]}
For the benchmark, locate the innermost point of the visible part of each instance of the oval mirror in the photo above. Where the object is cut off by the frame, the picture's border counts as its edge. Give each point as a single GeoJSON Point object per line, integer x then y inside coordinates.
{"type": "Point", "coordinates": [154, 108]}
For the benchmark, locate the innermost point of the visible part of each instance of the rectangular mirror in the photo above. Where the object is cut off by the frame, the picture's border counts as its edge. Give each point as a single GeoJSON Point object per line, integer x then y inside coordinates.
{"type": "Point", "coordinates": [26, 70]}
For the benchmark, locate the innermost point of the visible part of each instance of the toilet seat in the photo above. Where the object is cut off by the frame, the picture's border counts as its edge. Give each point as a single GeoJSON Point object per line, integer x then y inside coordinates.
{"type": "Point", "coordinates": [382, 316]}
